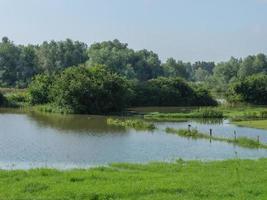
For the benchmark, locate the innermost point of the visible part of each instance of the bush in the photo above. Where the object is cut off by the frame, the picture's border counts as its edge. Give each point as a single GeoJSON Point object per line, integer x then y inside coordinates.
{"type": "Point", "coordinates": [203, 98]}
{"type": "Point", "coordinates": [170, 92]}
{"type": "Point", "coordinates": [19, 97]}
{"type": "Point", "coordinates": [39, 89]}
{"type": "Point", "coordinates": [90, 90]}
{"type": "Point", "coordinates": [251, 90]}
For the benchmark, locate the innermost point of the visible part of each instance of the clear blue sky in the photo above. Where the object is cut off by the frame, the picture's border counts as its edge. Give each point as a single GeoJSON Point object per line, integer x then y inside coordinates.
{"type": "Point", "coordinates": [187, 30]}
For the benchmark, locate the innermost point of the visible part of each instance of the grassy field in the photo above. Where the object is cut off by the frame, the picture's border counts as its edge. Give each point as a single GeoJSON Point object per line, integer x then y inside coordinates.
{"type": "Point", "coordinates": [262, 124]}
{"type": "Point", "coordinates": [233, 179]}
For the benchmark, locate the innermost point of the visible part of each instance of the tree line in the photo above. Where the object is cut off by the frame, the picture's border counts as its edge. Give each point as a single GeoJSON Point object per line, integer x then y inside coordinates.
{"type": "Point", "coordinates": [19, 63]}
{"type": "Point", "coordinates": [98, 90]}
{"type": "Point", "coordinates": [142, 69]}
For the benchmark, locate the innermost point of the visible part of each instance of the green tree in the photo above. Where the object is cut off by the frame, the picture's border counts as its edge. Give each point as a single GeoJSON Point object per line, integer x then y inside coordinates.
{"type": "Point", "coordinates": [55, 56]}
{"type": "Point", "coordinates": [9, 58]}
{"type": "Point", "coordinates": [147, 65]}
{"type": "Point", "coordinates": [173, 91]}
{"type": "Point", "coordinates": [39, 89]}
{"type": "Point", "coordinates": [117, 57]}
{"type": "Point", "coordinates": [173, 68]}
{"type": "Point", "coordinates": [92, 90]}
{"type": "Point", "coordinates": [252, 89]}
{"type": "Point", "coordinates": [201, 75]}
{"type": "Point", "coordinates": [253, 65]}
{"type": "Point", "coordinates": [114, 55]}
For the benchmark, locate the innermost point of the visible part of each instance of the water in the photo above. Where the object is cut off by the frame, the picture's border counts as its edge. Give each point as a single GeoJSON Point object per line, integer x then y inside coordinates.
{"type": "Point", "coordinates": [75, 141]}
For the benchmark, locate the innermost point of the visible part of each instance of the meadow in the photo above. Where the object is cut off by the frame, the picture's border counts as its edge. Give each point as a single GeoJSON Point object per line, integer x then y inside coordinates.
{"type": "Point", "coordinates": [232, 179]}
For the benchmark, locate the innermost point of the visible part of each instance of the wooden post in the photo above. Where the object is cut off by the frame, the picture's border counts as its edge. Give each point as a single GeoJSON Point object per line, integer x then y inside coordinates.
{"type": "Point", "coordinates": [210, 132]}
{"type": "Point", "coordinates": [235, 135]}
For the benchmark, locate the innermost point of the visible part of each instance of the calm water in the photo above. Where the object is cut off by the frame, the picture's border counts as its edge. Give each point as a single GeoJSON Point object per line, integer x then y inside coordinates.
{"type": "Point", "coordinates": [42, 140]}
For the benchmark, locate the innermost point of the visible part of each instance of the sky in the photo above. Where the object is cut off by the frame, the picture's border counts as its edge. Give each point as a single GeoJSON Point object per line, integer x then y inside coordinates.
{"type": "Point", "coordinates": [188, 30]}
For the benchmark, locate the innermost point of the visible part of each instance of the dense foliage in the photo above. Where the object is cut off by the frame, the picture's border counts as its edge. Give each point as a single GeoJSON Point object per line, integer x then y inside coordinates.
{"type": "Point", "coordinates": [252, 89]}
{"type": "Point", "coordinates": [82, 90]}
{"type": "Point", "coordinates": [142, 65]}
{"type": "Point", "coordinates": [170, 92]}
{"type": "Point", "coordinates": [97, 90]}
{"type": "Point", "coordinates": [39, 89]}
{"type": "Point", "coordinates": [154, 82]}
{"type": "Point", "coordinates": [18, 63]}
{"type": "Point", "coordinates": [93, 90]}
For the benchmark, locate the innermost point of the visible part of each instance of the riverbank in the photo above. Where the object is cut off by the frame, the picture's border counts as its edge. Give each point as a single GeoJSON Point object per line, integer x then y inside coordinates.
{"type": "Point", "coordinates": [232, 179]}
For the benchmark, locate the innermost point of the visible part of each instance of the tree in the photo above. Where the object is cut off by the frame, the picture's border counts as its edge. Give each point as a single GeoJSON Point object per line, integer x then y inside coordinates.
{"type": "Point", "coordinates": [27, 66]}
{"type": "Point", "coordinates": [173, 68]}
{"type": "Point", "coordinates": [114, 55]}
{"type": "Point", "coordinates": [226, 72]}
{"type": "Point", "coordinates": [55, 56]}
{"type": "Point", "coordinates": [117, 57]}
{"type": "Point", "coordinates": [9, 58]}
{"type": "Point", "coordinates": [147, 65]}
{"type": "Point", "coordinates": [92, 90]}
{"type": "Point", "coordinates": [207, 66]}
{"type": "Point", "coordinates": [39, 89]}
{"type": "Point", "coordinates": [170, 92]}
{"type": "Point", "coordinates": [252, 89]}
{"type": "Point", "coordinates": [253, 65]}
{"type": "Point", "coordinates": [201, 75]}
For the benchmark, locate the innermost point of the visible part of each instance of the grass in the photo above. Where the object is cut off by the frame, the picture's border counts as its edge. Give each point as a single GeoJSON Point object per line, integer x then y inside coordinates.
{"type": "Point", "coordinates": [131, 123]}
{"type": "Point", "coordinates": [239, 141]}
{"type": "Point", "coordinates": [261, 124]}
{"type": "Point", "coordinates": [199, 113]}
{"type": "Point", "coordinates": [192, 180]}
{"type": "Point", "coordinates": [50, 108]}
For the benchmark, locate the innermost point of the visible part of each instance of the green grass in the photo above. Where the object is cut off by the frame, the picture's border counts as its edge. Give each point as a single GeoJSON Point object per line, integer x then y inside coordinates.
{"type": "Point", "coordinates": [261, 124]}
{"type": "Point", "coordinates": [131, 123]}
{"type": "Point", "coordinates": [50, 108]}
{"type": "Point", "coordinates": [239, 141]}
{"type": "Point", "coordinates": [198, 113]}
{"type": "Point", "coordinates": [234, 113]}
{"type": "Point", "coordinates": [194, 180]}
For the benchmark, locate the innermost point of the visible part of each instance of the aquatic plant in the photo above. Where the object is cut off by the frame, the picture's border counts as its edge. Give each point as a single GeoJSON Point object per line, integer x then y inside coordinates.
{"type": "Point", "coordinates": [195, 134]}
{"type": "Point", "coordinates": [131, 123]}
{"type": "Point", "coordinates": [207, 113]}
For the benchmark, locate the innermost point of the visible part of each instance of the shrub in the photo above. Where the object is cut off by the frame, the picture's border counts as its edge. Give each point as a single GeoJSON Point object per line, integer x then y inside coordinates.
{"type": "Point", "coordinates": [90, 90]}
{"type": "Point", "coordinates": [170, 92]}
{"type": "Point", "coordinates": [251, 90]}
{"type": "Point", "coordinates": [39, 89]}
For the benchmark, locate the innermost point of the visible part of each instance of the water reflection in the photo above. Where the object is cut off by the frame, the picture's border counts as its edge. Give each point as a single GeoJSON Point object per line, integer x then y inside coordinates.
{"type": "Point", "coordinates": [74, 123]}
